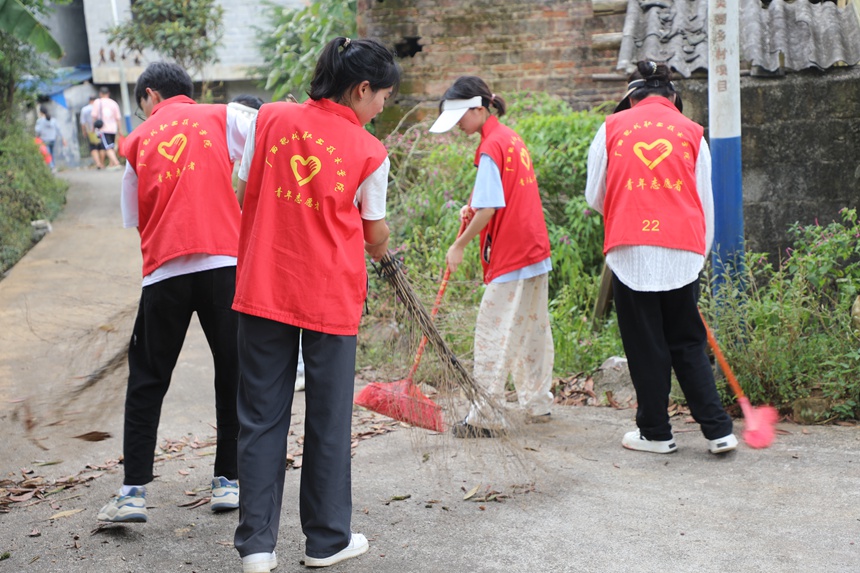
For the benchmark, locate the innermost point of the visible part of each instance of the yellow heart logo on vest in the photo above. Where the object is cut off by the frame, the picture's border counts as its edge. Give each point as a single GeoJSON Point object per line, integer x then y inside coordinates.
{"type": "Point", "coordinates": [166, 148]}
{"type": "Point", "coordinates": [312, 164]}
{"type": "Point", "coordinates": [662, 147]}
{"type": "Point", "coordinates": [526, 158]}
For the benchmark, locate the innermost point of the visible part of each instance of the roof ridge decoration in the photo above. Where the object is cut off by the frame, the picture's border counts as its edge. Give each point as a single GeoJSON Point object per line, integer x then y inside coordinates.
{"type": "Point", "coordinates": [806, 35]}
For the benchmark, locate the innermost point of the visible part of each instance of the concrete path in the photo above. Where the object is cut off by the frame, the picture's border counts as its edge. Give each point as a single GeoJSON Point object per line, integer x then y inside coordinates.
{"type": "Point", "coordinates": [561, 497]}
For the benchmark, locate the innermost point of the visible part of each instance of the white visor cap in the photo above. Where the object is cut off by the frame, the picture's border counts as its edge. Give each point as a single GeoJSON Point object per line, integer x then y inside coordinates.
{"type": "Point", "coordinates": [452, 111]}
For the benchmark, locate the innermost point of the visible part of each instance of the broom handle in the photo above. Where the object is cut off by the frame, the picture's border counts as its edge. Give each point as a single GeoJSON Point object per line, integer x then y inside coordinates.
{"type": "Point", "coordinates": [730, 376]}
{"type": "Point", "coordinates": [435, 311]}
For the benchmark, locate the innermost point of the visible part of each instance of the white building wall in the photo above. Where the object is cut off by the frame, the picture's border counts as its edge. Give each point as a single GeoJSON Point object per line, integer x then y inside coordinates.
{"type": "Point", "coordinates": [238, 53]}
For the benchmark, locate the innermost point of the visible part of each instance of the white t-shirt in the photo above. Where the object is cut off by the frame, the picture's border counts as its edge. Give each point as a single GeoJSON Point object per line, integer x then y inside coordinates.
{"type": "Point", "coordinates": [238, 125]}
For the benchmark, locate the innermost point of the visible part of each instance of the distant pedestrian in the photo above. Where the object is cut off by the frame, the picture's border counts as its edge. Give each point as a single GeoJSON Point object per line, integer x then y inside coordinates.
{"type": "Point", "coordinates": [107, 110]}
{"type": "Point", "coordinates": [313, 185]}
{"type": "Point", "coordinates": [512, 331]}
{"type": "Point", "coordinates": [178, 191]}
{"type": "Point", "coordinates": [89, 134]}
{"type": "Point", "coordinates": [48, 130]}
{"type": "Point", "coordinates": [649, 174]}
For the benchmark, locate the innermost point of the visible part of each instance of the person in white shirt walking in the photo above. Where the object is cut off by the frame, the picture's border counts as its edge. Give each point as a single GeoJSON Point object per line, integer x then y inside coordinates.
{"type": "Point", "coordinates": [107, 110]}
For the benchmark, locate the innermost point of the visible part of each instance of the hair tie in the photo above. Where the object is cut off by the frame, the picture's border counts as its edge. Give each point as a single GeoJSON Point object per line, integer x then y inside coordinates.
{"type": "Point", "coordinates": [492, 97]}
{"type": "Point", "coordinates": [346, 42]}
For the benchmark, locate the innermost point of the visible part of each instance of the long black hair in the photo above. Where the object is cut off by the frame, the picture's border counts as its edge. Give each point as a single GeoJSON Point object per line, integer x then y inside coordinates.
{"type": "Point", "coordinates": [345, 63]}
{"type": "Point", "coordinates": [467, 87]}
{"type": "Point", "coordinates": [45, 112]}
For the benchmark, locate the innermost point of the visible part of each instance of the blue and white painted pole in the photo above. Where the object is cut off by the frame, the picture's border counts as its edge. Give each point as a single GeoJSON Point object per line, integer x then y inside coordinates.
{"type": "Point", "coordinates": [724, 126]}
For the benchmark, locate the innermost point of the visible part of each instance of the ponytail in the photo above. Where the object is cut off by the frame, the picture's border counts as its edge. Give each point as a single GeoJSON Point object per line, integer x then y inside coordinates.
{"type": "Point", "coordinates": [467, 87]}
{"type": "Point", "coordinates": [653, 79]}
{"type": "Point", "coordinates": [344, 63]}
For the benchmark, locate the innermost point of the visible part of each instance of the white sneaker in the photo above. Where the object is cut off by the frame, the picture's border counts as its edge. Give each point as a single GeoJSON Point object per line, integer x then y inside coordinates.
{"type": "Point", "coordinates": [723, 445]}
{"type": "Point", "coordinates": [259, 562]}
{"type": "Point", "coordinates": [634, 441]}
{"type": "Point", "coordinates": [300, 382]}
{"type": "Point", "coordinates": [357, 546]}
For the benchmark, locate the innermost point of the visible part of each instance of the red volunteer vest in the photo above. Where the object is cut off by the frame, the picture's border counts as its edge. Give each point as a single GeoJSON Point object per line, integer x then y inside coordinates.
{"type": "Point", "coordinates": [186, 202]}
{"type": "Point", "coordinates": [651, 194]}
{"type": "Point", "coordinates": [516, 235]}
{"type": "Point", "coordinates": [301, 247]}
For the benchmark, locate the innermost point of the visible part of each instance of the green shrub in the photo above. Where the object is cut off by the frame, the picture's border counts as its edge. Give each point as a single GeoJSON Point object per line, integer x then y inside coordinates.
{"type": "Point", "coordinates": [786, 330]}
{"type": "Point", "coordinates": [28, 191]}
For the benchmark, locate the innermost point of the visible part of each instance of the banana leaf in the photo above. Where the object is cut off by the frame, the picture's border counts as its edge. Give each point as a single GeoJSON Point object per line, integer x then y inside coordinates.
{"type": "Point", "coordinates": [17, 20]}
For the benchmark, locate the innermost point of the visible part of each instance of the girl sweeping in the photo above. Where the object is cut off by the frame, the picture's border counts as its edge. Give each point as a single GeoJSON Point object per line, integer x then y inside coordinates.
{"type": "Point", "coordinates": [649, 173]}
{"type": "Point", "coordinates": [313, 187]}
{"type": "Point", "coordinates": [512, 334]}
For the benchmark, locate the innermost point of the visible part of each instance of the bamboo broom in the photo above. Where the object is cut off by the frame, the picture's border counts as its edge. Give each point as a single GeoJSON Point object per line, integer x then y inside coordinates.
{"type": "Point", "coordinates": [390, 270]}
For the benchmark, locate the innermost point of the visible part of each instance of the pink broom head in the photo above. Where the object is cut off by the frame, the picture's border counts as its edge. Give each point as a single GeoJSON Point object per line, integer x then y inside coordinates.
{"type": "Point", "coordinates": [403, 401]}
{"type": "Point", "coordinates": [760, 428]}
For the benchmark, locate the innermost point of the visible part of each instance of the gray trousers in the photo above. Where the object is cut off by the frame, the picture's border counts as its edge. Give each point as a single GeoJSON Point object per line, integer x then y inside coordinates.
{"type": "Point", "coordinates": [268, 357]}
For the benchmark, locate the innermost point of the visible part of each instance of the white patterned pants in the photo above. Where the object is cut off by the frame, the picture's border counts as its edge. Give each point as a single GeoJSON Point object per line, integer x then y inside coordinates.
{"type": "Point", "coordinates": [513, 336]}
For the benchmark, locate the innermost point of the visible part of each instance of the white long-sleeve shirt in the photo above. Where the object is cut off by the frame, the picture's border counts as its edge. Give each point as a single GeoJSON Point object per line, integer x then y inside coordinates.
{"type": "Point", "coordinates": [644, 267]}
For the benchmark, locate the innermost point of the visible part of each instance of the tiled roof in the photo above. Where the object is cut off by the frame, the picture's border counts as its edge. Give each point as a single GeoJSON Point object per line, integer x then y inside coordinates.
{"type": "Point", "coordinates": [806, 34]}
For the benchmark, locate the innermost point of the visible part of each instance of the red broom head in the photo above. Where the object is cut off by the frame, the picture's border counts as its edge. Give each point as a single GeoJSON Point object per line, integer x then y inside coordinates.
{"type": "Point", "coordinates": [402, 401]}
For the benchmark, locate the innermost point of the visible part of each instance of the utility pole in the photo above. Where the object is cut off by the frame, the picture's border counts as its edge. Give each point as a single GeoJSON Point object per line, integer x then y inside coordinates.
{"type": "Point", "coordinates": [724, 126]}
{"type": "Point", "coordinates": [123, 86]}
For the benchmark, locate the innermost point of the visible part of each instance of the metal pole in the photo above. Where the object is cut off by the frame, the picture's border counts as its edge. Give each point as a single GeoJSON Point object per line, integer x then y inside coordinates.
{"type": "Point", "coordinates": [123, 86]}
{"type": "Point", "coordinates": [724, 125]}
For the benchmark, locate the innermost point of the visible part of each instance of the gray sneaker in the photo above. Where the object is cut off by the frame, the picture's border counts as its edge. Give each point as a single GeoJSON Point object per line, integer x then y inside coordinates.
{"type": "Point", "coordinates": [129, 508]}
{"type": "Point", "coordinates": [225, 494]}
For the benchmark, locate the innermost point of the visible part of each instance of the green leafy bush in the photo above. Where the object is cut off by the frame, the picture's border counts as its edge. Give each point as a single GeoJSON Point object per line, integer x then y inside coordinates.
{"type": "Point", "coordinates": [786, 330]}
{"type": "Point", "coordinates": [28, 191]}
{"type": "Point", "coordinates": [292, 42]}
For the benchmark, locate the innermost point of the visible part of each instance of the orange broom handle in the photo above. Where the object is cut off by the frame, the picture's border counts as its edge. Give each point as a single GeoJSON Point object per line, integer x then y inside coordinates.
{"type": "Point", "coordinates": [435, 310]}
{"type": "Point", "coordinates": [730, 376]}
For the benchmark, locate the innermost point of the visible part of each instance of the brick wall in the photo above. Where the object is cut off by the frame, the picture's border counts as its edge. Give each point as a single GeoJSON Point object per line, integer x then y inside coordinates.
{"type": "Point", "coordinates": [515, 45]}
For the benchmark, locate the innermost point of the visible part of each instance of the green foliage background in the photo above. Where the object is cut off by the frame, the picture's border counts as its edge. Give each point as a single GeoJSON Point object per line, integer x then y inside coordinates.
{"type": "Point", "coordinates": [28, 191]}
{"type": "Point", "coordinates": [20, 57]}
{"type": "Point", "coordinates": [293, 39]}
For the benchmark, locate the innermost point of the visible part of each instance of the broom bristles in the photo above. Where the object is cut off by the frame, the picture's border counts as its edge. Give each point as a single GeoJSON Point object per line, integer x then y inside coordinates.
{"type": "Point", "coordinates": [390, 270]}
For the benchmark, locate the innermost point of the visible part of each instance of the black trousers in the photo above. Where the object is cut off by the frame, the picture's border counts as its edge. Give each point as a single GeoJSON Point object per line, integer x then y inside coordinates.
{"type": "Point", "coordinates": [268, 356]}
{"type": "Point", "coordinates": [163, 317]}
{"type": "Point", "coordinates": [662, 331]}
